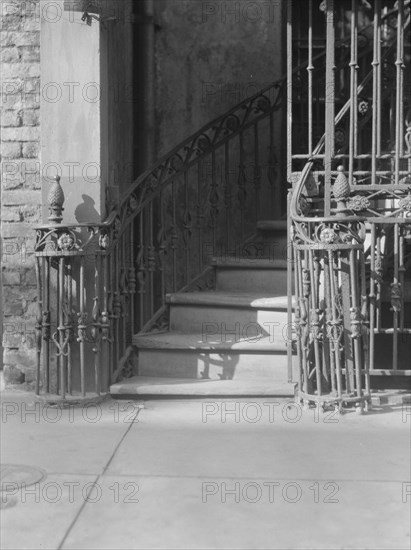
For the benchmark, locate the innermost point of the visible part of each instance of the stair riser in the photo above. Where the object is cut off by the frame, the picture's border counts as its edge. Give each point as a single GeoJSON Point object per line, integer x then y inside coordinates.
{"type": "Point", "coordinates": [261, 281]}
{"type": "Point", "coordinates": [201, 389]}
{"type": "Point", "coordinates": [227, 366]}
{"type": "Point", "coordinates": [273, 244]}
{"type": "Point", "coordinates": [224, 322]}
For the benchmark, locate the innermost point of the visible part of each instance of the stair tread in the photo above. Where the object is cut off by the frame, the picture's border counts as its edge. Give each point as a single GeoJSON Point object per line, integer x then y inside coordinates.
{"type": "Point", "coordinates": [156, 386]}
{"type": "Point", "coordinates": [208, 342]}
{"type": "Point", "coordinates": [249, 263]}
{"type": "Point", "coordinates": [272, 225]}
{"type": "Point", "coordinates": [234, 299]}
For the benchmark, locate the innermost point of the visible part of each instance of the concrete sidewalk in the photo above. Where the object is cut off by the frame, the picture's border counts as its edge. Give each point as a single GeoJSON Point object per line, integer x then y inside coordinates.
{"type": "Point", "coordinates": [209, 474]}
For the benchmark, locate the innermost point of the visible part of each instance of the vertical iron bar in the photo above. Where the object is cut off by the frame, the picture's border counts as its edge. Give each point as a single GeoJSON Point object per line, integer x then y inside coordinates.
{"type": "Point", "coordinates": [328, 343]}
{"type": "Point", "coordinates": [174, 235]}
{"type": "Point", "coordinates": [199, 216]}
{"type": "Point", "coordinates": [39, 322]}
{"type": "Point", "coordinates": [61, 328]}
{"type": "Point", "coordinates": [289, 88]}
{"type": "Point", "coordinates": [399, 63]}
{"type": "Point", "coordinates": [401, 271]}
{"type": "Point", "coordinates": [378, 285]}
{"type": "Point", "coordinates": [227, 192]}
{"type": "Point", "coordinates": [213, 206]}
{"type": "Point", "coordinates": [96, 321]}
{"type": "Point", "coordinates": [71, 328]}
{"type": "Point", "coordinates": [82, 336]}
{"type": "Point", "coordinates": [151, 258]}
{"type": "Point", "coordinates": [186, 229]}
{"type": "Point", "coordinates": [257, 181]}
{"type": "Point", "coordinates": [354, 304]}
{"type": "Point", "coordinates": [310, 69]}
{"type": "Point", "coordinates": [46, 354]}
{"type": "Point", "coordinates": [107, 320]}
{"type": "Point", "coordinates": [329, 103]}
{"type": "Point", "coordinates": [289, 293]}
{"type": "Point", "coordinates": [353, 89]}
{"type": "Point", "coordinates": [375, 89]}
{"type": "Point", "coordinates": [364, 338]}
{"type": "Point", "coordinates": [334, 310]}
{"type": "Point", "coordinates": [312, 315]}
{"type": "Point", "coordinates": [372, 297]}
{"type": "Point", "coordinates": [141, 269]}
{"type": "Point", "coordinates": [132, 277]}
{"type": "Point", "coordinates": [394, 307]}
{"type": "Point", "coordinates": [302, 312]}
{"type": "Point", "coordinates": [242, 185]}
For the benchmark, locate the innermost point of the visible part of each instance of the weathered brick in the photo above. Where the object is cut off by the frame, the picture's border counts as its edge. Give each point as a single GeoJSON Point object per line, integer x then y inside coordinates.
{"type": "Point", "coordinates": [10, 277]}
{"type": "Point", "coordinates": [11, 339]}
{"type": "Point", "coordinates": [10, 118]}
{"type": "Point", "coordinates": [18, 252]}
{"type": "Point", "coordinates": [24, 133]}
{"type": "Point", "coordinates": [31, 308]}
{"type": "Point", "coordinates": [26, 38]}
{"type": "Point", "coordinates": [19, 172]}
{"type": "Point", "coordinates": [19, 100]}
{"type": "Point", "coordinates": [31, 149]}
{"type": "Point", "coordinates": [31, 214]}
{"type": "Point", "coordinates": [16, 357]}
{"type": "Point", "coordinates": [31, 117]}
{"type": "Point", "coordinates": [16, 198]}
{"type": "Point", "coordinates": [21, 70]}
{"type": "Point", "coordinates": [10, 150]}
{"type": "Point", "coordinates": [12, 303]}
{"type": "Point", "coordinates": [29, 277]}
{"type": "Point", "coordinates": [10, 55]}
{"type": "Point", "coordinates": [13, 375]}
{"type": "Point", "coordinates": [11, 214]}
{"type": "Point", "coordinates": [29, 54]}
{"type": "Point", "coordinates": [31, 23]}
{"type": "Point", "coordinates": [16, 229]}
{"type": "Point", "coordinates": [12, 184]}
{"type": "Point", "coordinates": [7, 39]}
{"type": "Point", "coordinates": [11, 21]}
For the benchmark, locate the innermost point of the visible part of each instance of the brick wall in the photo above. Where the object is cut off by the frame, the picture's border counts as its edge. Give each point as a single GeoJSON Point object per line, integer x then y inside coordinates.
{"type": "Point", "coordinates": [20, 183]}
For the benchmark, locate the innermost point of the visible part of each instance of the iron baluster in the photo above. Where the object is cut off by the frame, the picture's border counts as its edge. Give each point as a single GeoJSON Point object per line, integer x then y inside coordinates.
{"type": "Point", "coordinates": [329, 104]}
{"type": "Point", "coordinates": [257, 173]}
{"type": "Point", "coordinates": [39, 323]}
{"type": "Point", "coordinates": [227, 194]}
{"type": "Point", "coordinates": [82, 329]}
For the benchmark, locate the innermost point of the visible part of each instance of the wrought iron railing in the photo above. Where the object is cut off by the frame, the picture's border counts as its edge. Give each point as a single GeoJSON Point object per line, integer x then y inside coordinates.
{"type": "Point", "coordinates": [99, 284]}
{"type": "Point", "coordinates": [352, 228]}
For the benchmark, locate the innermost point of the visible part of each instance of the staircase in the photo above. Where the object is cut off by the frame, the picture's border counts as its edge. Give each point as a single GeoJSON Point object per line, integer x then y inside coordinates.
{"type": "Point", "coordinates": [227, 341]}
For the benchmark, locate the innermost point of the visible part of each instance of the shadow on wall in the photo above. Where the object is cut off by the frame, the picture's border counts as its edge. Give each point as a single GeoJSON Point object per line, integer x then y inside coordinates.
{"type": "Point", "coordinates": [86, 212]}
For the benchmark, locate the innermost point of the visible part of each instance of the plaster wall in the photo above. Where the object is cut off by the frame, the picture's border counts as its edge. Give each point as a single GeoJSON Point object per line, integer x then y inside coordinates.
{"type": "Point", "coordinates": [70, 114]}
{"type": "Point", "coordinates": [209, 56]}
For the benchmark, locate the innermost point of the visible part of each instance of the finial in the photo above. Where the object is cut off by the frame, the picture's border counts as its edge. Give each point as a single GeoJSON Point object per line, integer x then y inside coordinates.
{"type": "Point", "coordinates": [55, 201]}
{"type": "Point", "coordinates": [341, 189]}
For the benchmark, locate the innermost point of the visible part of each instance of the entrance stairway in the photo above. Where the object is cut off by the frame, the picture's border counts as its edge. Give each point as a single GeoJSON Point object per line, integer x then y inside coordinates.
{"type": "Point", "coordinates": [228, 341]}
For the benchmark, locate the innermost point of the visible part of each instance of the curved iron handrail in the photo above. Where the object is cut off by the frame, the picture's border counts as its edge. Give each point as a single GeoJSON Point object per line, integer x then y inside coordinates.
{"type": "Point", "coordinates": [195, 146]}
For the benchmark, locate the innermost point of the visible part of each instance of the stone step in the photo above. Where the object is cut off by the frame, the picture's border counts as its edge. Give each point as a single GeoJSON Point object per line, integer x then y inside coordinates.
{"type": "Point", "coordinates": [274, 231]}
{"type": "Point", "coordinates": [279, 226]}
{"type": "Point", "coordinates": [199, 312]}
{"type": "Point", "coordinates": [214, 356]}
{"type": "Point", "coordinates": [156, 387]}
{"type": "Point", "coordinates": [260, 276]}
